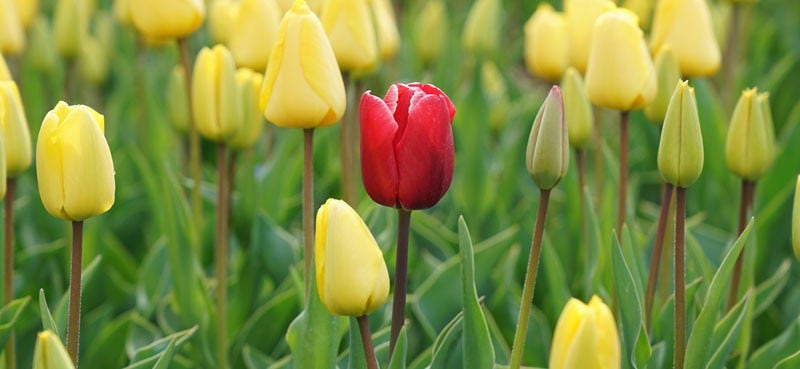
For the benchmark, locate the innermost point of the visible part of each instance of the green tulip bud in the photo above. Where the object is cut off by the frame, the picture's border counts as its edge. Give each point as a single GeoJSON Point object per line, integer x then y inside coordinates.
{"type": "Point", "coordinates": [577, 107]}
{"type": "Point", "coordinates": [178, 100]}
{"type": "Point", "coordinates": [680, 152]}
{"type": "Point", "coordinates": [747, 150]}
{"type": "Point", "coordinates": [547, 156]}
{"type": "Point", "coordinates": [668, 72]}
{"type": "Point", "coordinates": [50, 353]}
{"type": "Point", "coordinates": [796, 221]}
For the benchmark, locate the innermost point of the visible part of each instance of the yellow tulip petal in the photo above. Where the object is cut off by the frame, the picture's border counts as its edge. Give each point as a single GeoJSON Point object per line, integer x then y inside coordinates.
{"type": "Point", "coordinates": [546, 43]}
{"type": "Point", "coordinates": [167, 18]}
{"type": "Point", "coordinates": [685, 25]}
{"type": "Point", "coordinates": [16, 135]}
{"type": "Point", "coordinates": [351, 33]}
{"type": "Point", "coordinates": [12, 34]}
{"type": "Point", "coordinates": [254, 30]}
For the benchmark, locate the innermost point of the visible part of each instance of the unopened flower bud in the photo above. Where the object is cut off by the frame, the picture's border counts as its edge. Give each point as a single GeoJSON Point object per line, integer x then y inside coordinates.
{"type": "Point", "coordinates": [577, 108]}
{"type": "Point", "coordinates": [547, 155]}
{"type": "Point", "coordinates": [680, 152]}
{"type": "Point", "coordinates": [747, 149]}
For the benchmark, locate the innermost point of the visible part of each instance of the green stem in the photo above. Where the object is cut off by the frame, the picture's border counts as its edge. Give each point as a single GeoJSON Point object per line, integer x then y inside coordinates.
{"type": "Point", "coordinates": [366, 340]}
{"type": "Point", "coordinates": [74, 320]}
{"type": "Point", "coordinates": [194, 147]}
{"type": "Point", "coordinates": [8, 265]}
{"type": "Point", "coordinates": [530, 283]}
{"type": "Point", "coordinates": [348, 140]}
{"type": "Point", "coordinates": [680, 279]}
{"type": "Point", "coordinates": [597, 140]}
{"type": "Point", "coordinates": [308, 204]}
{"type": "Point", "coordinates": [746, 202]}
{"type": "Point", "coordinates": [222, 258]}
{"type": "Point", "coordinates": [400, 277]}
{"type": "Point", "coordinates": [732, 50]}
{"type": "Point", "coordinates": [623, 171]}
{"type": "Point", "coordinates": [658, 246]}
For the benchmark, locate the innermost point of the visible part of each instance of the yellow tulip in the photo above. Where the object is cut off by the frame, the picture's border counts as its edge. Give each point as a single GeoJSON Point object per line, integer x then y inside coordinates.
{"type": "Point", "coordinates": [680, 151]}
{"type": "Point", "coordinates": [122, 11]}
{"type": "Point", "coordinates": [303, 86]}
{"type": "Point", "coordinates": [222, 16]}
{"type": "Point", "coordinates": [15, 129]}
{"type": "Point", "coordinates": [581, 15]}
{"type": "Point", "coordinates": [348, 24]}
{"type": "Point", "coordinates": [385, 28]}
{"type": "Point", "coordinates": [482, 28]}
{"type": "Point", "coordinates": [27, 11]}
{"type": "Point", "coordinates": [668, 73]}
{"type": "Point", "coordinates": [642, 8]}
{"type": "Point", "coordinates": [93, 61]}
{"type": "Point", "coordinates": [178, 99]}
{"type": "Point", "coordinates": [254, 30]}
{"type": "Point", "coordinates": [578, 109]}
{"type": "Point", "coordinates": [42, 50]}
{"type": "Point", "coordinates": [796, 221]}
{"type": "Point", "coordinates": [585, 337]}
{"type": "Point", "coordinates": [73, 163]}
{"type": "Point", "coordinates": [215, 97]}
{"type": "Point", "coordinates": [769, 125]}
{"type": "Point", "coordinates": [747, 149]}
{"type": "Point", "coordinates": [5, 74]}
{"type": "Point", "coordinates": [167, 18]}
{"type": "Point", "coordinates": [546, 43]}
{"type": "Point", "coordinates": [620, 73]}
{"type": "Point", "coordinates": [547, 154]}
{"type": "Point", "coordinates": [247, 135]}
{"type": "Point", "coordinates": [316, 6]}
{"type": "Point", "coordinates": [430, 31]}
{"type": "Point", "coordinates": [70, 25]}
{"type": "Point", "coordinates": [49, 353]}
{"type": "Point", "coordinates": [12, 35]}
{"type": "Point", "coordinates": [686, 26]}
{"type": "Point", "coordinates": [351, 274]}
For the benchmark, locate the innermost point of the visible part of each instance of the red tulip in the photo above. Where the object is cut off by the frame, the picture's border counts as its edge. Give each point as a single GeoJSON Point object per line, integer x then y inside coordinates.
{"type": "Point", "coordinates": [407, 145]}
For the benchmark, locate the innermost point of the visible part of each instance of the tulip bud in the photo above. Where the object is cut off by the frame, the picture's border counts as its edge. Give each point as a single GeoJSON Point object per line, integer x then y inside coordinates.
{"type": "Point", "coordinates": [642, 8]}
{"type": "Point", "coordinates": [668, 73]}
{"type": "Point", "coordinates": [747, 149]}
{"type": "Point", "coordinates": [167, 18]}
{"type": "Point", "coordinates": [686, 26]}
{"type": "Point", "coordinates": [546, 43]}
{"type": "Point", "coordinates": [216, 104]}
{"type": "Point", "coordinates": [581, 15]}
{"type": "Point", "coordinates": [5, 74]}
{"type": "Point", "coordinates": [49, 353]}
{"type": "Point", "coordinates": [93, 61]}
{"type": "Point", "coordinates": [411, 122]}
{"type": "Point", "coordinates": [42, 49]}
{"type": "Point", "coordinates": [303, 86]}
{"type": "Point", "coordinates": [247, 135]}
{"type": "Point", "coordinates": [620, 73]}
{"type": "Point", "coordinates": [222, 18]}
{"type": "Point", "coordinates": [680, 152]}
{"type": "Point", "coordinates": [12, 34]}
{"type": "Point", "coordinates": [15, 130]}
{"type": "Point", "coordinates": [178, 100]}
{"type": "Point", "coordinates": [796, 221]}
{"type": "Point", "coordinates": [763, 100]}
{"type": "Point", "coordinates": [256, 25]}
{"type": "Point", "coordinates": [577, 108]}
{"type": "Point", "coordinates": [316, 6]}
{"type": "Point", "coordinates": [585, 337]}
{"type": "Point", "coordinates": [71, 24]}
{"type": "Point", "coordinates": [482, 28]}
{"type": "Point", "coordinates": [27, 11]}
{"type": "Point", "coordinates": [348, 24]}
{"type": "Point", "coordinates": [430, 31]}
{"type": "Point", "coordinates": [73, 163]}
{"type": "Point", "coordinates": [385, 28]}
{"type": "Point", "coordinates": [547, 155]}
{"type": "Point", "coordinates": [351, 274]}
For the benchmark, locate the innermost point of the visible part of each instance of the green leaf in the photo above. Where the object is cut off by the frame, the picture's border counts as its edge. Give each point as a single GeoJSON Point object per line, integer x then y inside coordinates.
{"type": "Point", "coordinates": [398, 360]}
{"type": "Point", "coordinates": [313, 336]}
{"type": "Point", "coordinates": [9, 315]}
{"type": "Point", "coordinates": [783, 346]}
{"type": "Point", "coordinates": [159, 353]}
{"type": "Point", "coordinates": [726, 332]}
{"type": "Point", "coordinates": [478, 350]}
{"type": "Point", "coordinates": [444, 348]}
{"type": "Point", "coordinates": [698, 347]}
{"type": "Point", "coordinates": [48, 322]}
{"type": "Point", "coordinates": [790, 362]}
{"type": "Point", "coordinates": [769, 290]}
{"type": "Point", "coordinates": [636, 345]}
{"type": "Point", "coordinates": [254, 359]}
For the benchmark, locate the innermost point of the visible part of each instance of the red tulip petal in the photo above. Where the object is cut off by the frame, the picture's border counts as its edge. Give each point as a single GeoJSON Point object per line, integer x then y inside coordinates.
{"type": "Point", "coordinates": [433, 90]}
{"type": "Point", "coordinates": [378, 163]}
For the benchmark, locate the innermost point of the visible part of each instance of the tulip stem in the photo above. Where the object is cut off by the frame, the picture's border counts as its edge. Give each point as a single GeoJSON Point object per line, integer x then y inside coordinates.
{"type": "Point", "coordinates": [348, 140]}
{"type": "Point", "coordinates": [680, 278]}
{"type": "Point", "coordinates": [222, 258]}
{"type": "Point", "coordinates": [308, 204]}
{"type": "Point", "coordinates": [580, 160]}
{"type": "Point", "coordinates": [366, 340]}
{"type": "Point", "coordinates": [599, 173]}
{"type": "Point", "coordinates": [732, 48]}
{"type": "Point", "coordinates": [194, 147]}
{"type": "Point", "coordinates": [530, 283]}
{"type": "Point", "coordinates": [658, 246]}
{"type": "Point", "coordinates": [746, 202]}
{"type": "Point", "coordinates": [74, 323]}
{"type": "Point", "coordinates": [68, 77]}
{"type": "Point", "coordinates": [400, 277]}
{"type": "Point", "coordinates": [623, 170]}
{"type": "Point", "coordinates": [8, 265]}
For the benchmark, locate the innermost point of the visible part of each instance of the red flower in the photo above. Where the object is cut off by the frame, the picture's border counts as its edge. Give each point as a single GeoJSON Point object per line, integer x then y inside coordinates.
{"type": "Point", "coordinates": [407, 145]}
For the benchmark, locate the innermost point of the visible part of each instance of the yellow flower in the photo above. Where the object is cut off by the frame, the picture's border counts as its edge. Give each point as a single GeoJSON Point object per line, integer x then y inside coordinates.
{"type": "Point", "coordinates": [769, 125]}
{"type": "Point", "coordinates": [302, 86]}
{"type": "Point", "coordinates": [73, 163]}
{"type": "Point", "coordinates": [5, 74]}
{"type": "Point", "coordinates": [351, 274]}
{"type": "Point", "coordinates": [93, 61]}
{"type": "Point", "coordinates": [348, 24]}
{"type": "Point", "coordinates": [215, 97]}
{"type": "Point", "coordinates": [15, 129]}
{"type": "Point", "coordinates": [796, 221]}
{"type": "Point", "coordinates": [222, 16]}
{"type": "Point", "coordinates": [680, 151]}
{"type": "Point", "coordinates": [167, 18]}
{"type": "Point", "coordinates": [642, 8]}
{"type": "Point", "coordinates": [42, 50]}
{"type": "Point", "coordinates": [49, 353]}
{"type": "Point", "coordinates": [385, 28]}
{"type": "Point", "coordinates": [578, 109]}
{"type": "Point", "coordinates": [747, 149]}
{"type": "Point", "coordinates": [430, 31]}
{"type": "Point", "coordinates": [547, 154]}
{"type": "Point", "coordinates": [686, 26]}
{"type": "Point", "coordinates": [247, 135]}
{"type": "Point", "coordinates": [254, 30]}
{"type": "Point", "coordinates": [316, 6]}
{"type": "Point", "coordinates": [585, 337]}
{"type": "Point", "coordinates": [70, 25]}
{"type": "Point", "coordinates": [482, 28]}
{"type": "Point", "coordinates": [27, 11]}
{"type": "Point", "coordinates": [546, 43]}
{"type": "Point", "coordinates": [620, 73]}
{"type": "Point", "coordinates": [12, 35]}
{"type": "Point", "coordinates": [581, 15]}
{"type": "Point", "coordinates": [668, 73]}
{"type": "Point", "coordinates": [122, 11]}
{"type": "Point", "coordinates": [178, 99]}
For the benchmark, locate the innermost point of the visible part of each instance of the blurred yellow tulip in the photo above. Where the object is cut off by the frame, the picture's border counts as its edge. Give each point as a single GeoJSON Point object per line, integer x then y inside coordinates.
{"type": "Point", "coordinates": [581, 15]}
{"type": "Point", "coordinates": [178, 99]}
{"type": "Point", "coordinates": [668, 73]}
{"type": "Point", "coordinates": [167, 18]}
{"type": "Point", "coordinates": [49, 353]}
{"type": "Point", "coordinates": [254, 31]}
{"type": "Point", "coordinates": [680, 151]}
{"type": "Point", "coordinates": [351, 274]}
{"type": "Point", "coordinates": [349, 26]}
{"type": "Point", "coordinates": [316, 6]}
{"type": "Point", "coordinates": [686, 26]}
{"type": "Point", "coordinates": [15, 129]}
{"type": "Point", "coordinates": [385, 28]}
{"type": "Point", "coordinates": [93, 61]}
{"type": "Point", "coordinates": [221, 19]}
{"type": "Point", "coordinates": [70, 25]}
{"type": "Point", "coordinates": [5, 74]}
{"type": "Point", "coordinates": [247, 135]}
{"type": "Point", "coordinates": [27, 11]}
{"type": "Point", "coordinates": [42, 51]}
{"type": "Point", "coordinates": [430, 31]}
{"type": "Point", "coordinates": [122, 11]}
{"type": "Point", "coordinates": [578, 109]}
{"type": "Point", "coordinates": [303, 86]}
{"type": "Point", "coordinates": [546, 43]}
{"type": "Point", "coordinates": [642, 8]}
{"type": "Point", "coordinates": [620, 73]}
{"type": "Point", "coordinates": [747, 149]}
{"type": "Point", "coordinates": [482, 27]}
{"type": "Point", "coordinates": [73, 163]}
{"type": "Point", "coordinates": [216, 105]}
{"type": "Point", "coordinates": [585, 337]}
{"type": "Point", "coordinates": [769, 125]}
{"type": "Point", "coordinates": [12, 35]}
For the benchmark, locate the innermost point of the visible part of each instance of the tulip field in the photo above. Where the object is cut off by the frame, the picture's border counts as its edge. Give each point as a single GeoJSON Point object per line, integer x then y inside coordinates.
{"type": "Point", "coordinates": [363, 184]}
